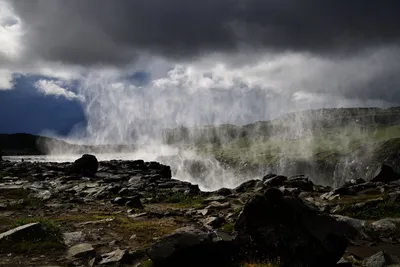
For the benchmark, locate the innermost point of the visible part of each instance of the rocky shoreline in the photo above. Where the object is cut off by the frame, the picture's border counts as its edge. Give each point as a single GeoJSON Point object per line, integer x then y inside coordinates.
{"type": "Point", "coordinates": [132, 213]}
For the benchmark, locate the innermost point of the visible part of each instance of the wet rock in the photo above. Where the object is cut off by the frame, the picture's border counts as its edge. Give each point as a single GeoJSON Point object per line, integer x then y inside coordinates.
{"type": "Point", "coordinates": [354, 228]}
{"type": "Point", "coordinates": [87, 165]}
{"type": "Point", "coordinates": [119, 201]}
{"type": "Point", "coordinates": [382, 173]}
{"type": "Point", "coordinates": [215, 198]}
{"type": "Point", "coordinates": [247, 186]}
{"type": "Point", "coordinates": [272, 226]}
{"type": "Point", "coordinates": [83, 250]}
{"type": "Point", "coordinates": [214, 222]}
{"type": "Point", "coordinates": [187, 244]}
{"type": "Point", "coordinates": [134, 202]}
{"type": "Point", "coordinates": [380, 259]}
{"type": "Point", "coordinates": [115, 257]}
{"type": "Point", "coordinates": [302, 183]}
{"type": "Point", "coordinates": [27, 232]}
{"type": "Point", "coordinates": [277, 180]}
{"type": "Point", "coordinates": [223, 192]}
{"type": "Point", "coordinates": [385, 227]}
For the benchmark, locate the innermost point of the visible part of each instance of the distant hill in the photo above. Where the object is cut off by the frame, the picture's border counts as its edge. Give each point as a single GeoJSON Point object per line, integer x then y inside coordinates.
{"type": "Point", "coordinates": [329, 145]}
{"type": "Point", "coordinates": [28, 144]}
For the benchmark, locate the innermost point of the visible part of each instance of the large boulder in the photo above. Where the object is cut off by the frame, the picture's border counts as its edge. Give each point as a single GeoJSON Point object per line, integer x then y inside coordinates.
{"type": "Point", "coordinates": [27, 232]}
{"type": "Point", "coordinates": [193, 247]}
{"type": "Point", "coordinates": [86, 165]}
{"type": "Point", "coordinates": [382, 173]}
{"type": "Point", "coordinates": [272, 226]}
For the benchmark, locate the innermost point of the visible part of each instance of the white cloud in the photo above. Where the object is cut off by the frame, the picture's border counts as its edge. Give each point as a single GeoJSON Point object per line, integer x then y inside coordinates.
{"type": "Point", "coordinates": [6, 79]}
{"type": "Point", "coordinates": [49, 87]}
{"type": "Point", "coordinates": [10, 32]}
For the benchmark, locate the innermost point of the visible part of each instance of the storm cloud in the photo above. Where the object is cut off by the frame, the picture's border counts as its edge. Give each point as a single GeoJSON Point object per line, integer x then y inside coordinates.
{"type": "Point", "coordinates": [115, 32]}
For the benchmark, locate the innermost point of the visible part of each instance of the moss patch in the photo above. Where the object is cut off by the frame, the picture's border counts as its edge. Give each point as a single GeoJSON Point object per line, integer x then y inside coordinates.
{"type": "Point", "coordinates": [372, 211]}
{"type": "Point", "coordinates": [179, 200]}
{"type": "Point", "coordinates": [146, 231]}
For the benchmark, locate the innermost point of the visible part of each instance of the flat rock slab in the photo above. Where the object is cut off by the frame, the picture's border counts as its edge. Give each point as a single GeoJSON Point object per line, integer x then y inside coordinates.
{"type": "Point", "coordinates": [25, 232]}
{"type": "Point", "coordinates": [83, 250]}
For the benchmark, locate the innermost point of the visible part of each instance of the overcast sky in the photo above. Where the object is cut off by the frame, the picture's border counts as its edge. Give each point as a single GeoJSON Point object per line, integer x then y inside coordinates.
{"type": "Point", "coordinates": [132, 64]}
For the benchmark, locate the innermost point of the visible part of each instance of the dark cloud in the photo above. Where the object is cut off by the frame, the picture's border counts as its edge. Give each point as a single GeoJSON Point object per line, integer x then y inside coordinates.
{"type": "Point", "coordinates": [115, 32]}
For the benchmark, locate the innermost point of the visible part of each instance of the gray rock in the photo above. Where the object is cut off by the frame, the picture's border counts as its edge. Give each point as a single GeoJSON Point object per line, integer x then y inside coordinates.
{"type": "Point", "coordinates": [274, 181]}
{"type": "Point", "coordinates": [214, 222]}
{"type": "Point", "coordinates": [25, 232]}
{"type": "Point", "coordinates": [386, 227]}
{"type": "Point", "coordinates": [355, 228]}
{"type": "Point", "coordinates": [73, 238]}
{"type": "Point", "coordinates": [272, 225]}
{"type": "Point", "coordinates": [191, 247]}
{"type": "Point", "coordinates": [115, 257]}
{"type": "Point", "coordinates": [382, 173]}
{"type": "Point", "coordinates": [380, 259]}
{"type": "Point", "coordinates": [87, 165]}
{"type": "Point", "coordinates": [83, 250]}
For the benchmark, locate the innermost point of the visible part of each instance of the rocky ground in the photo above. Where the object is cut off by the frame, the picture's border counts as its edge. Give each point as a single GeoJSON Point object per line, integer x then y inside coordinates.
{"type": "Point", "coordinates": [132, 213]}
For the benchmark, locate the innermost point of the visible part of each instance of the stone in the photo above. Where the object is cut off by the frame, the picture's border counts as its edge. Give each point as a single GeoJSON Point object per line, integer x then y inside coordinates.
{"type": "Point", "coordinates": [223, 192]}
{"type": "Point", "coordinates": [247, 186]}
{"type": "Point", "coordinates": [272, 225]}
{"type": "Point", "coordinates": [27, 232]}
{"type": "Point", "coordinates": [382, 173]}
{"type": "Point", "coordinates": [215, 198]}
{"type": "Point", "coordinates": [277, 180]}
{"type": "Point", "coordinates": [134, 202]}
{"type": "Point", "coordinates": [380, 259]}
{"type": "Point", "coordinates": [73, 238]}
{"type": "Point", "coordinates": [214, 222]}
{"type": "Point", "coordinates": [354, 228]}
{"type": "Point", "coordinates": [115, 257]}
{"type": "Point", "coordinates": [87, 165]}
{"type": "Point", "coordinates": [302, 183]}
{"type": "Point", "coordinates": [385, 227]}
{"type": "Point", "coordinates": [119, 201]}
{"type": "Point", "coordinates": [192, 247]}
{"type": "Point", "coordinates": [83, 250]}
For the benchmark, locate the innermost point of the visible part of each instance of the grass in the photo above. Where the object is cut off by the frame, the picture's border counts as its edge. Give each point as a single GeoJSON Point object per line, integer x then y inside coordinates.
{"type": "Point", "coordinates": [179, 200]}
{"type": "Point", "coordinates": [372, 211]}
{"type": "Point", "coordinates": [324, 145]}
{"type": "Point", "coordinates": [228, 227]}
{"type": "Point", "coordinates": [19, 198]}
{"type": "Point", "coordinates": [51, 240]}
{"type": "Point", "coordinates": [146, 231]}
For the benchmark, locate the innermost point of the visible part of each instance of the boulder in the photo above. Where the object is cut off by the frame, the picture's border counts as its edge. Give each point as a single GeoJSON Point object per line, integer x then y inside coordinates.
{"type": "Point", "coordinates": [115, 257]}
{"type": "Point", "coordinates": [83, 250]}
{"type": "Point", "coordinates": [300, 182]}
{"type": "Point", "coordinates": [380, 259]}
{"type": "Point", "coordinates": [382, 173]}
{"type": "Point", "coordinates": [86, 165]}
{"type": "Point", "coordinates": [273, 226]}
{"type": "Point", "coordinates": [73, 238]}
{"type": "Point", "coordinates": [277, 180]}
{"type": "Point", "coordinates": [27, 232]}
{"type": "Point", "coordinates": [192, 247]}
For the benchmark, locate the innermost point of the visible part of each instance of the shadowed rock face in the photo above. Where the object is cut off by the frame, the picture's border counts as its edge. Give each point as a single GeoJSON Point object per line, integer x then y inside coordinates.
{"type": "Point", "coordinates": [288, 229]}
{"type": "Point", "coordinates": [86, 165]}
